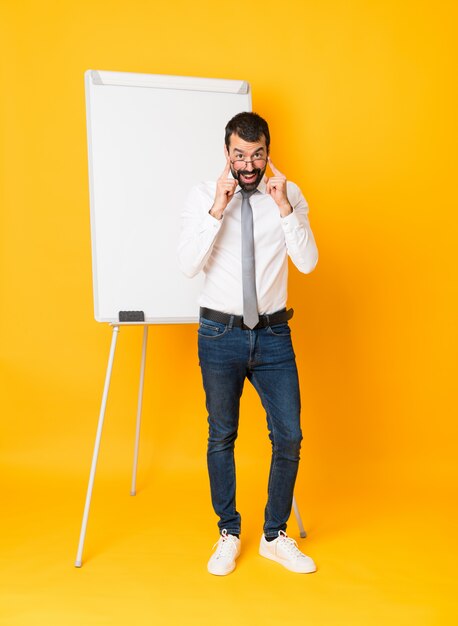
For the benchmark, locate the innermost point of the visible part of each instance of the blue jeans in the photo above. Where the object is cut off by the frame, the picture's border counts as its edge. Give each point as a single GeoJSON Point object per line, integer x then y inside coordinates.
{"type": "Point", "coordinates": [228, 355]}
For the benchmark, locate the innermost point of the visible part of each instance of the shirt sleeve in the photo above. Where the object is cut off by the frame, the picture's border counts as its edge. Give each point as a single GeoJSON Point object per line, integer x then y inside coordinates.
{"type": "Point", "coordinates": [299, 238]}
{"type": "Point", "coordinates": [198, 232]}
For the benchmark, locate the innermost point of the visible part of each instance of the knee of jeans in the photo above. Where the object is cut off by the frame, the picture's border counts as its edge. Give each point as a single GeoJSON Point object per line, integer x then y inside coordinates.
{"type": "Point", "coordinates": [288, 446]}
{"type": "Point", "coordinates": [217, 442]}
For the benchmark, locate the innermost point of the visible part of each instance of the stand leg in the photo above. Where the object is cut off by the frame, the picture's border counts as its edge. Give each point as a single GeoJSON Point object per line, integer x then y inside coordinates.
{"type": "Point", "coordinates": [298, 519]}
{"type": "Point", "coordinates": [79, 556]}
{"type": "Point", "coordinates": [133, 489]}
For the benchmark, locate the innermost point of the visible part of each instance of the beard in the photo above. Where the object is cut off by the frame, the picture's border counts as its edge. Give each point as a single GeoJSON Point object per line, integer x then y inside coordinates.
{"type": "Point", "coordinates": [252, 184]}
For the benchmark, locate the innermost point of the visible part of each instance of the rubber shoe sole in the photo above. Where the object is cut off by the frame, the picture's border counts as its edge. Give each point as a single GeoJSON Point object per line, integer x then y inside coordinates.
{"type": "Point", "coordinates": [306, 565]}
{"type": "Point", "coordinates": [221, 567]}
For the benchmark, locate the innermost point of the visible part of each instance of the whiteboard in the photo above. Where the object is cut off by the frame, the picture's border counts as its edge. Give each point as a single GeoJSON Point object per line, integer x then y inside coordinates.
{"type": "Point", "coordinates": [151, 138]}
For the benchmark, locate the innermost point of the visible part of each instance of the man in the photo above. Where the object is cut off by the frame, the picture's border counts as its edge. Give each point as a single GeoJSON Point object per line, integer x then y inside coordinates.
{"type": "Point", "coordinates": [240, 231]}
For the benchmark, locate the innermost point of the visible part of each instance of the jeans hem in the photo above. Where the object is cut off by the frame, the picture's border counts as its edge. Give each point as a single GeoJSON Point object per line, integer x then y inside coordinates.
{"type": "Point", "coordinates": [230, 531]}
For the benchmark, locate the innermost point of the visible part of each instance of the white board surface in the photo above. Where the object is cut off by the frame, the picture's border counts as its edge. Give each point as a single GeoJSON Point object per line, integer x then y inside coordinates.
{"type": "Point", "coordinates": [150, 139]}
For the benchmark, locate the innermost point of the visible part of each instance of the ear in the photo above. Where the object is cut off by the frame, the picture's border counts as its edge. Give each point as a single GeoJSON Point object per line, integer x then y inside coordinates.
{"type": "Point", "coordinates": [226, 153]}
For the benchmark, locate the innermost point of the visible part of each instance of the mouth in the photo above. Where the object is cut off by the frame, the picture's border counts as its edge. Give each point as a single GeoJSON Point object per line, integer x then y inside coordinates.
{"type": "Point", "coordinates": [248, 177]}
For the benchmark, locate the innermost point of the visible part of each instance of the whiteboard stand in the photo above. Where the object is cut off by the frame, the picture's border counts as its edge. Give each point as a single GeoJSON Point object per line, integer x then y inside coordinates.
{"type": "Point", "coordinates": [302, 532]}
{"type": "Point", "coordinates": [133, 490]}
{"type": "Point", "coordinates": [79, 556]}
{"type": "Point", "coordinates": [95, 455]}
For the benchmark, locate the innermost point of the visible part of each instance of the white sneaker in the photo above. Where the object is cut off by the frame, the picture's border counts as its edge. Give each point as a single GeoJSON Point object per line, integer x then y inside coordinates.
{"type": "Point", "coordinates": [284, 550]}
{"type": "Point", "coordinates": [222, 561]}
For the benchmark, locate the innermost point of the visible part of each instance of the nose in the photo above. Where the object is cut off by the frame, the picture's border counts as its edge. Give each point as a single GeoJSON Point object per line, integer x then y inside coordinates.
{"type": "Point", "coordinates": [250, 164]}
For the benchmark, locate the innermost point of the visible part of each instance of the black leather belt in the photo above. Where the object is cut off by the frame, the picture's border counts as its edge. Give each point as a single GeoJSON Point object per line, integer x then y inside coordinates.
{"type": "Point", "coordinates": [237, 320]}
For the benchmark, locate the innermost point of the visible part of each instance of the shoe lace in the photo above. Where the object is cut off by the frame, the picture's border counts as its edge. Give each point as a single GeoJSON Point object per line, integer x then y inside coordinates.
{"type": "Point", "coordinates": [290, 545]}
{"type": "Point", "coordinates": [227, 545]}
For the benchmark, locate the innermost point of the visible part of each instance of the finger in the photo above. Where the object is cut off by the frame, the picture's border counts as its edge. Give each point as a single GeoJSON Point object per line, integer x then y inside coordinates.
{"type": "Point", "coordinates": [276, 181]}
{"type": "Point", "coordinates": [226, 168]}
{"type": "Point", "coordinates": [228, 184]}
{"type": "Point", "coordinates": [273, 168]}
{"type": "Point", "coordinates": [228, 189]}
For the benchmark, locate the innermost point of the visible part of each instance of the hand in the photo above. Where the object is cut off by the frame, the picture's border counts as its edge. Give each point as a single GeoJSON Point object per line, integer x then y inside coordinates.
{"type": "Point", "coordinates": [276, 187]}
{"type": "Point", "coordinates": [225, 189]}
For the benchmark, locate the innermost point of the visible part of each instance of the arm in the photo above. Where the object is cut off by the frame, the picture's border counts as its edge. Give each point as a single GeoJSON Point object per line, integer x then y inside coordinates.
{"type": "Point", "coordinates": [293, 208]}
{"type": "Point", "coordinates": [201, 220]}
{"type": "Point", "coordinates": [299, 238]}
{"type": "Point", "coordinates": [198, 232]}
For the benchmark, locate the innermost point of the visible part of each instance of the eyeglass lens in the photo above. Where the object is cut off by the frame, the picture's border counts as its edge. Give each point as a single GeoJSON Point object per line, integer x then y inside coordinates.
{"type": "Point", "coordinates": [240, 164]}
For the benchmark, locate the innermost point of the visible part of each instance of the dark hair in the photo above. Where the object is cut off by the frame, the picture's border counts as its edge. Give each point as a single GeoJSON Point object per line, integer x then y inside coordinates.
{"type": "Point", "coordinates": [248, 126]}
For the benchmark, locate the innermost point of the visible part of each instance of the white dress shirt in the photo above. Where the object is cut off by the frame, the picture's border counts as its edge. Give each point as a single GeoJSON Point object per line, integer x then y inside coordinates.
{"type": "Point", "coordinates": [215, 247]}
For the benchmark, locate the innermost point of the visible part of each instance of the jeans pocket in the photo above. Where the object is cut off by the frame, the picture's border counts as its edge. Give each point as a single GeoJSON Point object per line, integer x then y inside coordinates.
{"type": "Point", "coordinates": [210, 329]}
{"type": "Point", "coordinates": [280, 330]}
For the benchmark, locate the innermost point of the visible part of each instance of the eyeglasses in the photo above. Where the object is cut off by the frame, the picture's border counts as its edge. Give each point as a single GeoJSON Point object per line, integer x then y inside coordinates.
{"type": "Point", "coordinates": [239, 164]}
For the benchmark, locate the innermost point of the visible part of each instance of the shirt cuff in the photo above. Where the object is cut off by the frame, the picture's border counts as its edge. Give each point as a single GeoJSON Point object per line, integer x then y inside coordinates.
{"type": "Point", "coordinates": [210, 222]}
{"type": "Point", "coordinates": [290, 222]}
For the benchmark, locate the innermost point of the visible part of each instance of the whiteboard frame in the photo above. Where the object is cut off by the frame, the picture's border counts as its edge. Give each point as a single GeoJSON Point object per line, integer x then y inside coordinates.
{"type": "Point", "coordinates": [156, 81]}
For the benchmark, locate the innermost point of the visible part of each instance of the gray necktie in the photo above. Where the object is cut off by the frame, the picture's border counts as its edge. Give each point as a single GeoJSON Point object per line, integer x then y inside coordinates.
{"type": "Point", "coordinates": [250, 303]}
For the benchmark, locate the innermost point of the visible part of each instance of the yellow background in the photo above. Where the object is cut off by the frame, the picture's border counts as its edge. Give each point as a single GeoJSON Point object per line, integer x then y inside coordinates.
{"type": "Point", "coordinates": [361, 98]}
